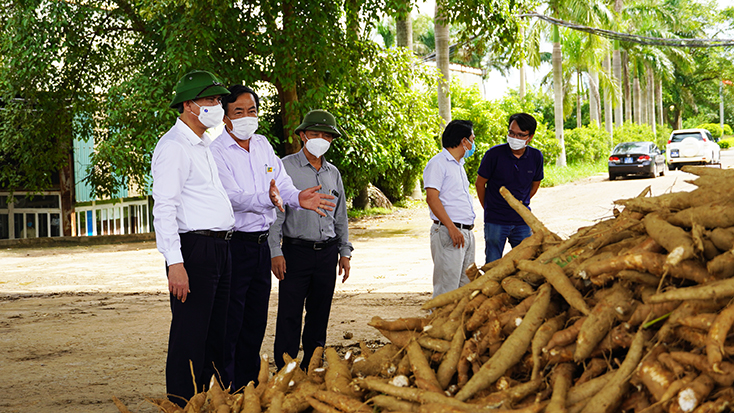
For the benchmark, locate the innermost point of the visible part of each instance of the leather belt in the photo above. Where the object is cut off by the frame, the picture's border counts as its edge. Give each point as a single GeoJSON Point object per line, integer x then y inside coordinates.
{"type": "Point", "coordinates": [225, 235]}
{"type": "Point", "coordinates": [460, 226]}
{"type": "Point", "coordinates": [315, 245]}
{"type": "Point", "coordinates": [258, 237]}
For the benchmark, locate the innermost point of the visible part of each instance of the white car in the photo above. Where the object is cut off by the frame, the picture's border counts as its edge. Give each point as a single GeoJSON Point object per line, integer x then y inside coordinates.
{"type": "Point", "coordinates": [692, 146]}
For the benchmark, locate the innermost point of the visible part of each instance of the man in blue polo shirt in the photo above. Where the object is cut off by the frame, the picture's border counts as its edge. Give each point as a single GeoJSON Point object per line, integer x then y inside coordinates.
{"type": "Point", "coordinates": [519, 168]}
{"type": "Point", "coordinates": [447, 195]}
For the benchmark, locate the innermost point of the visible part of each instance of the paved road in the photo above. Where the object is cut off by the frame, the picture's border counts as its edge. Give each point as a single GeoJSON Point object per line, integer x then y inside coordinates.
{"type": "Point", "coordinates": [391, 254]}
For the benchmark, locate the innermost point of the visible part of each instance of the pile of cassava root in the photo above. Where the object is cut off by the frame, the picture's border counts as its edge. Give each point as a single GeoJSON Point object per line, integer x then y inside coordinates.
{"type": "Point", "coordinates": [630, 314]}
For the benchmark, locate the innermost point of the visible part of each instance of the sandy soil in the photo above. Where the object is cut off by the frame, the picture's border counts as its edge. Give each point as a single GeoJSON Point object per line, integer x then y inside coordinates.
{"type": "Point", "coordinates": [80, 324]}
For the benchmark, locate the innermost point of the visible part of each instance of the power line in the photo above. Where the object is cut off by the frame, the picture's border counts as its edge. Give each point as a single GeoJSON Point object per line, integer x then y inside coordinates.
{"type": "Point", "coordinates": [626, 37]}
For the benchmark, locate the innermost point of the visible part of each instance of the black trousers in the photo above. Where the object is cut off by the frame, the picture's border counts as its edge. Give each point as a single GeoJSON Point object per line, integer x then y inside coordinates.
{"type": "Point", "coordinates": [198, 325]}
{"type": "Point", "coordinates": [247, 316]}
{"type": "Point", "coordinates": [309, 280]}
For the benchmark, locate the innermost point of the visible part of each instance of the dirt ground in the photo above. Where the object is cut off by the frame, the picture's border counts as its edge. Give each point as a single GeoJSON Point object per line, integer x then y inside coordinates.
{"type": "Point", "coordinates": [81, 324]}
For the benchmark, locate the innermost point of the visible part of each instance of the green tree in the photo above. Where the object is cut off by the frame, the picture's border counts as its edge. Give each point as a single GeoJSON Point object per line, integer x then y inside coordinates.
{"type": "Point", "coordinates": [107, 68]}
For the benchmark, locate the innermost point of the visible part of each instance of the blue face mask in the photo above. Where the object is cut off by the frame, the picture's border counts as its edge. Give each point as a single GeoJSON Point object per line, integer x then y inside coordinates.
{"type": "Point", "coordinates": [470, 152]}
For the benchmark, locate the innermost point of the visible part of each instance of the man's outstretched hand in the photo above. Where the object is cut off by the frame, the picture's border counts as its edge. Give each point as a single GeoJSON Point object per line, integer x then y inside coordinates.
{"type": "Point", "coordinates": [316, 201]}
{"type": "Point", "coordinates": [275, 196]}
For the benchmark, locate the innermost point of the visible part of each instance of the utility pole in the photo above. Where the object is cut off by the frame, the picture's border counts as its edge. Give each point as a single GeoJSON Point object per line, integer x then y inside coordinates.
{"type": "Point", "coordinates": [721, 104]}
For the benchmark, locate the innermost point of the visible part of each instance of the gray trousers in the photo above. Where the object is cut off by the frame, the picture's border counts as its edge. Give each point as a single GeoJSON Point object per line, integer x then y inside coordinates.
{"type": "Point", "coordinates": [449, 262]}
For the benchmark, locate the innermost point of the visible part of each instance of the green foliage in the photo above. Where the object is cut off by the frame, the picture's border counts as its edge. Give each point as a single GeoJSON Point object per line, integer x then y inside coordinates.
{"type": "Point", "coordinates": [726, 143]}
{"type": "Point", "coordinates": [727, 130]}
{"type": "Point", "coordinates": [490, 122]}
{"type": "Point", "coordinates": [45, 49]}
{"type": "Point", "coordinates": [662, 134]}
{"type": "Point", "coordinates": [716, 130]}
{"type": "Point", "coordinates": [536, 102]}
{"type": "Point", "coordinates": [586, 144]}
{"type": "Point", "coordinates": [632, 132]}
{"type": "Point", "coordinates": [390, 125]}
{"type": "Point", "coordinates": [545, 141]}
{"type": "Point", "coordinates": [111, 66]}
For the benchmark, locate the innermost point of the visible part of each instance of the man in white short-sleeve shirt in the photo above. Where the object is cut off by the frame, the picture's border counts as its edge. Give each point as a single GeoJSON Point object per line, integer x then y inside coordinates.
{"type": "Point", "coordinates": [452, 212]}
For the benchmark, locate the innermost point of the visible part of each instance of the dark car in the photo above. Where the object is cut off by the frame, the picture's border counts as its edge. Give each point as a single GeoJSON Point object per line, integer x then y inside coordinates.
{"type": "Point", "coordinates": [636, 158]}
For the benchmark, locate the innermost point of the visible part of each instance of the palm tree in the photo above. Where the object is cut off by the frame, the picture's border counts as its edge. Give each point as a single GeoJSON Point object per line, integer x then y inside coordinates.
{"type": "Point", "coordinates": [441, 30]}
{"type": "Point", "coordinates": [590, 13]}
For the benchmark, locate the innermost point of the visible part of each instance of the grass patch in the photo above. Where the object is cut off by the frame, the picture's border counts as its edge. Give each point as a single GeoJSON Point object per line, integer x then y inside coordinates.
{"type": "Point", "coordinates": [354, 213]}
{"type": "Point", "coordinates": [407, 203]}
{"type": "Point", "coordinates": [555, 175]}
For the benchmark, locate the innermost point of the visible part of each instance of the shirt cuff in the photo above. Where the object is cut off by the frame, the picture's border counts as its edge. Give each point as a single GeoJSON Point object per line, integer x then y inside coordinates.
{"type": "Point", "coordinates": [173, 257]}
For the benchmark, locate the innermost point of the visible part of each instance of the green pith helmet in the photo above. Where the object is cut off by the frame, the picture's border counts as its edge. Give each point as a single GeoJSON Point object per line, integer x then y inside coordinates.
{"type": "Point", "coordinates": [319, 120]}
{"type": "Point", "coordinates": [197, 84]}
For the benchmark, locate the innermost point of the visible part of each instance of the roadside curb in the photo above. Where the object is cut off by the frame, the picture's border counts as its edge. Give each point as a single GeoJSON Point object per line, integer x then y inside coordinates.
{"type": "Point", "coordinates": [76, 241]}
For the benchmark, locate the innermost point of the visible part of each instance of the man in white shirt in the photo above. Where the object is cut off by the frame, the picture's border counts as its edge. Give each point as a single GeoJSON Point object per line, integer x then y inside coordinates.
{"type": "Point", "coordinates": [193, 220]}
{"type": "Point", "coordinates": [257, 185]}
{"type": "Point", "coordinates": [452, 212]}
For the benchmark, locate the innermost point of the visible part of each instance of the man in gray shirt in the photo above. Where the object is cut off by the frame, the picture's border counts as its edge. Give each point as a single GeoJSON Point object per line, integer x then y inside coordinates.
{"type": "Point", "coordinates": [312, 245]}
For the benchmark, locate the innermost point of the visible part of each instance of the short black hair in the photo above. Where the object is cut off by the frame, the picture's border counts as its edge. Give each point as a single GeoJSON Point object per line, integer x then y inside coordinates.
{"type": "Point", "coordinates": [234, 92]}
{"type": "Point", "coordinates": [455, 132]}
{"type": "Point", "coordinates": [525, 122]}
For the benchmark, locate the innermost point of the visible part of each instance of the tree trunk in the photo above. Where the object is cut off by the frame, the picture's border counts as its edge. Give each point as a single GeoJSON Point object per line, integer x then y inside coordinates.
{"type": "Point", "coordinates": [636, 104]}
{"type": "Point", "coordinates": [643, 98]}
{"type": "Point", "coordinates": [66, 184]}
{"type": "Point", "coordinates": [626, 86]}
{"type": "Point", "coordinates": [651, 98]}
{"type": "Point", "coordinates": [579, 94]}
{"type": "Point", "coordinates": [287, 92]}
{"type": "Point", "coordinates": [617, 71]}
{"type": "Point", "coordinates": [608, 104]}
{"type": "Point", "coordinates": [290, 116]}
{"type": "Point", "coordinates": [521, 69]}
{"type": "Point", "coordinates": [558, 95]}
{"type": "Point", "coordinates": [441, 30]}
{"type": "Point", "coordinates": [594, 98]}
{"type": "Point", "coordinates": [404, 26]}
{"type": "Point", "coordinates": [659, 99]}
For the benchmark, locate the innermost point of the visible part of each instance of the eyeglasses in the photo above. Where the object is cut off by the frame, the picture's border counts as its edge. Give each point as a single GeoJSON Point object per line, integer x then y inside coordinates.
{"type": "Point", "coordinates": [318, 134]}
{"type": "Point", "coordinates": [517, 135]}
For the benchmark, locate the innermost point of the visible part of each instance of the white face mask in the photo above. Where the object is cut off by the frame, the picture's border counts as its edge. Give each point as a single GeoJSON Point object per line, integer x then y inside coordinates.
{"type": "Point", "coordinates": [210, 116]}
{"type": "Point", "coordinates": [317, 146]}
{"type": "Point", "coordinates": [516, 144]}
{"type": "Point", "coordinates": [243, 128]}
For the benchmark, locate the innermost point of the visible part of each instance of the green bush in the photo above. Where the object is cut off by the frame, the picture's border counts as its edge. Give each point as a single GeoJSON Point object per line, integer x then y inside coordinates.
{"type": "Point", "coordinates": [662, 135]}
{"type": "Point", "coordinates": [632, 132]}
{"type": "Point", "coordinates": [490, 122]}
{"type": "Point", "coordinates": [691, 122]}
{"type": "Point", "coordinates": [726, 143]}
{"type": "Point", "coordinates": [727, 130]}
{"type": "Point", "coordinates": [714, 128]}
{"type": "Point", "coordinates": [587, 143]}
{"type": "Point", "coordinates": [545, 141]}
